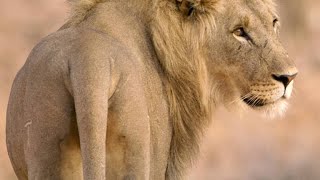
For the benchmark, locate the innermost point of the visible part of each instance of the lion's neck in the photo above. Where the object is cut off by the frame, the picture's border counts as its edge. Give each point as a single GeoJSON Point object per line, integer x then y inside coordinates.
{"type": "Point", "coordinates": [187, 90]}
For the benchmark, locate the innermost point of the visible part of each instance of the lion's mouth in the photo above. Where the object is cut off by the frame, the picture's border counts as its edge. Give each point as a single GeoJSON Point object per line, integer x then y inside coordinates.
{"type": "Point", "coordinates": [254, 102]}
{"type": "Point", "coordinates": [257, 102]}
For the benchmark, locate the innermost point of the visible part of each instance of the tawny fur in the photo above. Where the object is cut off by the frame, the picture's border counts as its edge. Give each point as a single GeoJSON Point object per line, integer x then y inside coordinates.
{"type": "Point", "coordinates": [80, 9]}
{"type": "Point", "coordinates": [178, 31]}
{"type": "Point", "coordinates": [180, 56]}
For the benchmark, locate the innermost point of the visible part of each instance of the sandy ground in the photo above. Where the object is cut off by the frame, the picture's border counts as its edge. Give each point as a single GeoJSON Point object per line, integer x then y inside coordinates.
{"type": "Point", "coordinates": [236, 148]}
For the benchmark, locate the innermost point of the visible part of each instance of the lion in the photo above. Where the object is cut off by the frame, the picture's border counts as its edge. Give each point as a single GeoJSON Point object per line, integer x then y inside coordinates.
{"type": "Point", "coordinates": [125, 89]}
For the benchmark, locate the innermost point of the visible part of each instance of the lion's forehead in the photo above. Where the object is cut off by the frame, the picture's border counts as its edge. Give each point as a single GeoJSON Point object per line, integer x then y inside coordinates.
{"type": "Point", "coordinates": [261, 8]}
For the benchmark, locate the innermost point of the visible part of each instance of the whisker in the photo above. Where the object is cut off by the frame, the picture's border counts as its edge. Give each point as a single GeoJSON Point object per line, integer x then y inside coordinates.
{"type": "Point", "coordinates": [260, 101]}
{"type": "Point", "coordinates": [240, 99]}
{"type": "Point", "coordinates": [253, 98]}
{"type": "Point", "coordinates": [246, 96]}
{"type": "Point", "coordinates": [255, 102]}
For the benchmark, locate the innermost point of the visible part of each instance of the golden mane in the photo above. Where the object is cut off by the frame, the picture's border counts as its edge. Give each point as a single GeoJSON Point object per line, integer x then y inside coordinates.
{"type": "Point", "coordinates": [179, 45]}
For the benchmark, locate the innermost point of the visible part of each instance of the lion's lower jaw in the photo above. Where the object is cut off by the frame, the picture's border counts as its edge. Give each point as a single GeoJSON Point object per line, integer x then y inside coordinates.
{"type": "Point", "coordinates": [273, 110]}
{"type": "Point", "coordinates": [268, 111]}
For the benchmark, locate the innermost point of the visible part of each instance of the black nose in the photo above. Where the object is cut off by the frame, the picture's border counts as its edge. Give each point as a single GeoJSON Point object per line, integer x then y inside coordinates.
{"type": "Point", "coordinates": [285, 79]}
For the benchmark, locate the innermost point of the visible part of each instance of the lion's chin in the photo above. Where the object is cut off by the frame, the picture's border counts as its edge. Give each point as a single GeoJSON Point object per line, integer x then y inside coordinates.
{"type": "Point", "coordinates": [270, 110]}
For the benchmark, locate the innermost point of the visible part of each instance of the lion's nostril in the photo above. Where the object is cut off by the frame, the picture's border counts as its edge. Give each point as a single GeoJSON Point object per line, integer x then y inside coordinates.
{"type": "Point", "coordinates": [285, 79]}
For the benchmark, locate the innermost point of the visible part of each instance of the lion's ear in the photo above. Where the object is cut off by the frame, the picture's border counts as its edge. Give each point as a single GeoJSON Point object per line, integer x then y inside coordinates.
{"type": "Point", "coordinates": [187, 7]}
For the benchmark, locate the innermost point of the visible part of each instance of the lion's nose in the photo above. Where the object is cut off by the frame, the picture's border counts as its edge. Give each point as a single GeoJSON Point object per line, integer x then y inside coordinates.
{"type": "Point", "coordinates": [284, 79]}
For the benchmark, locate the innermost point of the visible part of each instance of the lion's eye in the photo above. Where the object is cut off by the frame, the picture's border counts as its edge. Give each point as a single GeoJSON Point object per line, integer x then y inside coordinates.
{"type": "Point", "coordinates": [241, 33]}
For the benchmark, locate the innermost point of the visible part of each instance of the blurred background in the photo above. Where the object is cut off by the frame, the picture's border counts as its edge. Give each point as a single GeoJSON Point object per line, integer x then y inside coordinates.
{"type": "Point", "coordinates": [235, 148]}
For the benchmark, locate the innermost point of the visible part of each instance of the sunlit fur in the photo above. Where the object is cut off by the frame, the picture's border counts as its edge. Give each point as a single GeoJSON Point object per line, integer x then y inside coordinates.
{"type": "Point", "coordinates": [192, 91]}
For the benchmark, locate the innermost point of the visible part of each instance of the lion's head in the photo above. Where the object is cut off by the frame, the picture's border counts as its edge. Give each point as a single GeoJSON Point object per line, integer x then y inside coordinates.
{"type": "Point", "coordinates": [219, 51]}
{"type": "Point", "coordinates": [238, 40]}
{"type": "Point", "coordinates": [254, 65]}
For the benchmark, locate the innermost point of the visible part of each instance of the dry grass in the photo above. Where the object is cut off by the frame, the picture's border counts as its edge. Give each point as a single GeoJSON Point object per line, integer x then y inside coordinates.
{"type": "Point", "coordinates": [247, 148]}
